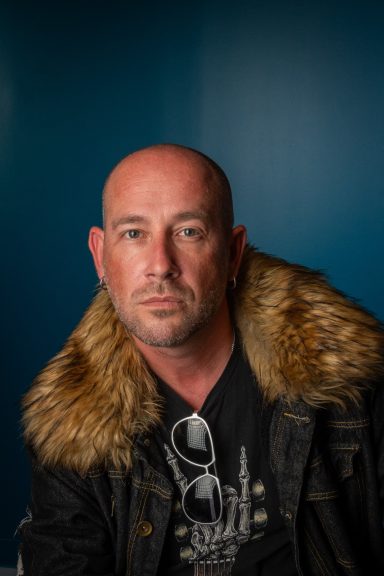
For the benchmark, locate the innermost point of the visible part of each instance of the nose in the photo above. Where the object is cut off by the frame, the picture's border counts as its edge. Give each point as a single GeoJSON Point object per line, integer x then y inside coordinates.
{"type": "Point", "coordinates": [161, 261]}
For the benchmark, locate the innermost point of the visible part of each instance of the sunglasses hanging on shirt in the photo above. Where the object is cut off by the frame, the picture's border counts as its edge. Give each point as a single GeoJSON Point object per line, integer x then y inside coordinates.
{"type": "Point", "coordinates": [192, 440]}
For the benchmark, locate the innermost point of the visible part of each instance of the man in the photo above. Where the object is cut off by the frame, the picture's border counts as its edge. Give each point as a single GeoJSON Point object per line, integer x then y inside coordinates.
{"type": "Point", "coordinates": [216, 411]}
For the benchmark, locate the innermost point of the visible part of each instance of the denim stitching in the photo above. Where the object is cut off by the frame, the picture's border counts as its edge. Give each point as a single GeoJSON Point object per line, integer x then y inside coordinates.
{"type": "Point", "coordinates": [337, 447]}
{"type": "Point", "coordinates": [275, 448]}
{"type": "Point", "coordinates": [110, 473]}
{"type": "Point", "coordinates": [153, 487]}
{"type": "Point", "coordinates": [317, 556]}
{"type": "Point", "coordinates": [317, 461]}
{"type": "Point", "coordinates": [347, 447]}
{"type": "Point", "coordinates": [298, 419]}
{"type": "Point", "coordinates": [133, 532]}
{"type": "Point", "coordinates": [339, 559]}
{"type": "Point", "coordinates": [116, 474]}
{"type": "Point", "coordinates": [348, 425]}
{"type": "Point", "coordinates": [322, 495]}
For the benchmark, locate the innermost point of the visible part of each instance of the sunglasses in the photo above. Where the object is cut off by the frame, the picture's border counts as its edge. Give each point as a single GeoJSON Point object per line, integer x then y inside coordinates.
{"type": "Point", "coordinates": [192, 440]}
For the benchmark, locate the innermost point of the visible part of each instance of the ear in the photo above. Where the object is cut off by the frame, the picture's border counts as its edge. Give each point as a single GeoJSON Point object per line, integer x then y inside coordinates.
{"type": "Point", "coordinates": [96, 246]}
{"type": "Point", "coordinates": [238, 243]}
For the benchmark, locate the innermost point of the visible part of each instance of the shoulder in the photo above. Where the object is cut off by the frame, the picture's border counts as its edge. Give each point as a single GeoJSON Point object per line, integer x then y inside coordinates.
{"type": "Point", "coordinates": [305, 339]}
{"type": "Point", "coordinates": [86, 407]}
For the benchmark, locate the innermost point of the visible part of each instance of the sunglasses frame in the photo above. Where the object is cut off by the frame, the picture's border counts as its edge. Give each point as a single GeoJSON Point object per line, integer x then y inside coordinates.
{"type": "Point", "coordinates": [195, 416]}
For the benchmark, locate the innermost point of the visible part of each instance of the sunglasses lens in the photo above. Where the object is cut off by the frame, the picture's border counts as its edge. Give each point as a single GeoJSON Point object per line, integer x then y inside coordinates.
{"type": "Point", "coordinates": [202, 500]}
{"type": "Point", "coordinates": [192, 440]}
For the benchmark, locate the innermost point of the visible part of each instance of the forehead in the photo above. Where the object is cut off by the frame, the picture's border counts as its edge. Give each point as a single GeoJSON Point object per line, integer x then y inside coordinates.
{"type": "Point", "coordinates": [153, 182]}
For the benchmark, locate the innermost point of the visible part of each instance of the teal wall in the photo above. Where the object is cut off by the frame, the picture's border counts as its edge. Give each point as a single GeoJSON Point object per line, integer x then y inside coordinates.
{"type": "Point", "coordinates": [286, 95]}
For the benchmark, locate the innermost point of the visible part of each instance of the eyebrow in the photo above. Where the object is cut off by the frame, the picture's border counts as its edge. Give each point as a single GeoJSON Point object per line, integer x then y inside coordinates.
{"type": "Point", "coordinates": [179, 217]}
{"type": "Point", "coordinates": [192, 215]}
{"type": "Point", "coordinates": [130, 219]}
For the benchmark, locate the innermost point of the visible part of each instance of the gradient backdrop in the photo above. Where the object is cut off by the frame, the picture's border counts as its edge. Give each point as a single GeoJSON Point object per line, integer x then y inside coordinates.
{"type": "Point", "coordinates": [286, 95]}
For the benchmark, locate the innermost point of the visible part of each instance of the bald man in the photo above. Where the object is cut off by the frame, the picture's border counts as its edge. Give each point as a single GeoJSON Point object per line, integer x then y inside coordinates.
{"type": "Point", "coordinates": [216, 411]}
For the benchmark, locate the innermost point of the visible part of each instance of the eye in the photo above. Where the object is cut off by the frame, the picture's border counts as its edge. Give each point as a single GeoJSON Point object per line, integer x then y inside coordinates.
{"type": "Point", "coordinates": [189, 232]}
{"type": "Point", "coordinates": [132, 234]}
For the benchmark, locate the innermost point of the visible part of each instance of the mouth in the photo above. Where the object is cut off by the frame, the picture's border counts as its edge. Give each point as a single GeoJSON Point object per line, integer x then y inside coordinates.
{"type": "Point", "coordinates": [162, 302]}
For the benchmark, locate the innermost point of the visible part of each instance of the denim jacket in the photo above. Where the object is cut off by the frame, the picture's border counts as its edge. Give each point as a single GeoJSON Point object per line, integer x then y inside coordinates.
{"type": "Point", "coordinates": [101, 499]}
{"type": "Point", "coordinates": [329, 485]}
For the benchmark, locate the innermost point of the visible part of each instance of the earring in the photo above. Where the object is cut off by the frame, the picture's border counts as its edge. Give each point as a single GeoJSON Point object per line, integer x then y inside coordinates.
{"type": "Point", "coordinates": [232, 283]}
{"type": "Point", "coordinates": [102, 283]}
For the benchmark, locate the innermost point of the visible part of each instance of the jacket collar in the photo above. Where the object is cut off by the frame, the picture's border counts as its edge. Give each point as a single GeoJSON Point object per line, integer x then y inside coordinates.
{"type": "Point", "coordinates": [304, 341]}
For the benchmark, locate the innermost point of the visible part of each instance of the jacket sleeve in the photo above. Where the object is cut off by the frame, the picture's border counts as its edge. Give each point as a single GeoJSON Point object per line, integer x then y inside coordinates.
{"type": "Point", "coordinates": [377, 409]}
{"type": "Point", "coordinates": [67, 532]}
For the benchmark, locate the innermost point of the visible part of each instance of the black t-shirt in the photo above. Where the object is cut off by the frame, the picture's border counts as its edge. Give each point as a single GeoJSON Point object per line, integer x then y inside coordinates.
{"type": "Point", "coordinates": [250, 538]}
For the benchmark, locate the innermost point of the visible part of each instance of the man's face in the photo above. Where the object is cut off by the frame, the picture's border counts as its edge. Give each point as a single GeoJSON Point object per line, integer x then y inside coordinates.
{"type": "Point", "coordinates": [164, 251]}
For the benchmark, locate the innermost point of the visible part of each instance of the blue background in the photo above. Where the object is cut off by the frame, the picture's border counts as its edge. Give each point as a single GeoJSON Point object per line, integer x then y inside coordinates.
{"type": "Point", "coordinates": [286, 95]}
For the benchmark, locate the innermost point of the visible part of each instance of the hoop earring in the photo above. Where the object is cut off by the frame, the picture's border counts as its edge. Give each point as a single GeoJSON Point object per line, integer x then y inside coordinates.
{"type": "Point", "coordinates": [232, 283]}
{"type": "Point", "coordinates": [102, 283]}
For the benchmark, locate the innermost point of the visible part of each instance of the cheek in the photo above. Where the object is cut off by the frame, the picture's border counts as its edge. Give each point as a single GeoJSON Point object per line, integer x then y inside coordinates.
{"type": "Point", "coordinates": [119, 272]}
{"type": "Point", "coordinates": [213, 274]}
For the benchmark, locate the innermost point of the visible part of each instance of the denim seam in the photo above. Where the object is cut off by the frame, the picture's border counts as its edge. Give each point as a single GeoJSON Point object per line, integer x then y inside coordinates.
{"type": "Point", "coordinates": [298, 419]}
{"type": "Point", "coordinates": [339, 559]}
{"type": "Point", "coordinates": [152, 487]}
{"type": "Point", "coordinates": [318, 461]}
{"type": "Point", "coordinates": [348, 425]}
{"type": "Point", "coordinates": [276, 443]}
{"type": "Point", "coordinates": [114, 475]}
{"type": "Point", "coordinates": [110, 473]}
{"type": "Point", "coordinates": [322, 496]}
{"type": "Point", "coordinates": [349, 447]}
{"type": "Point", "coordinates": [133, 533]}
{"type": "Point", "coordinates": [317, 556]}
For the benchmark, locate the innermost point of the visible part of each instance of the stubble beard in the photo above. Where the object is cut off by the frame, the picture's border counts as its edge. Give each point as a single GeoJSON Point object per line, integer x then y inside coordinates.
{"type": "Point", "coordinates": [159, 330]}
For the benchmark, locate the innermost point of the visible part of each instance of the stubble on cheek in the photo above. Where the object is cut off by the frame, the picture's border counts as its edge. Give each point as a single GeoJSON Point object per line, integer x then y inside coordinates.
{"type": "Point", "coordinates": [165, 327]}
{"type": "Point", "coordinates": [169, 326]}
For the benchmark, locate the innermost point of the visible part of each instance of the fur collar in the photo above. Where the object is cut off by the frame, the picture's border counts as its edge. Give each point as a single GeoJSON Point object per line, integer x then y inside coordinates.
{"type": "Point", "coordinates": [304, 341]}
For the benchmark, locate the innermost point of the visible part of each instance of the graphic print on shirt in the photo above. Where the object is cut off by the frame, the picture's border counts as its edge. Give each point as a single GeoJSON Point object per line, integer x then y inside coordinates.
{"type": "Point", "coordinates": [212, 549]}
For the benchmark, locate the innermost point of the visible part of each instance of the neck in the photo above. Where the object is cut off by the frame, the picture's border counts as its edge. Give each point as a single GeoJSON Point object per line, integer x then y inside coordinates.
{"type": "Point", "coordinates": [193, 368]}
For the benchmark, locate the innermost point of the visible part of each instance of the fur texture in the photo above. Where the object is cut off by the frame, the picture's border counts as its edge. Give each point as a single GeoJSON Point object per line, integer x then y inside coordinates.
{"type": "Point", "coordinates": [304, 340]}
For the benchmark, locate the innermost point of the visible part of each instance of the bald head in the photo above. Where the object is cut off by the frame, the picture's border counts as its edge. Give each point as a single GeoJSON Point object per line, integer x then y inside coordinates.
{"type": "Point", "coordinates": [167, 161]}
{"type": "Point", "coordinates": [168, 249]}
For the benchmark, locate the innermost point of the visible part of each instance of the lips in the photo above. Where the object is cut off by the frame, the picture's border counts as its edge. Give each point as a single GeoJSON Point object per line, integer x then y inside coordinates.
{"type": "Point", "coordinates": [165, 303]}
{"type": "Point", "coordinates": [161, 300]}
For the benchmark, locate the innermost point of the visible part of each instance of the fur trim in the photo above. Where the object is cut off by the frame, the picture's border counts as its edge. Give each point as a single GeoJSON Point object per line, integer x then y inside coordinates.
{"type": "Point", "coordinates": [304, 340]}
{"type": "Point", "coordinates": [93, 398]}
